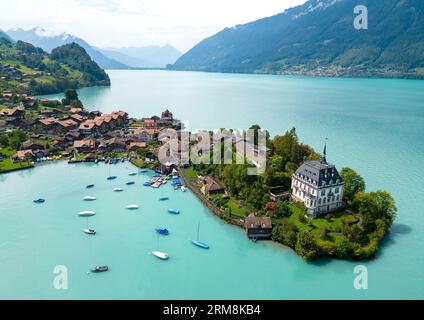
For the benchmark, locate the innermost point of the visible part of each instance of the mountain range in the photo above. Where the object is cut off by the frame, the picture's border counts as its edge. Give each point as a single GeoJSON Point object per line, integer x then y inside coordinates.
{"type": "Point", "coordinates": [319, 38]}
{"type": "Point", "coordinates": [110, 58]}
{"type": "Point", "coordinates": [144, 57]}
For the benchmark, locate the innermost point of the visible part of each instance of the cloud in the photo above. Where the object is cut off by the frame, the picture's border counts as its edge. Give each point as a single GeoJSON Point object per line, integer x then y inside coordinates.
{"type": "Point", "coordinates": [119, 23]}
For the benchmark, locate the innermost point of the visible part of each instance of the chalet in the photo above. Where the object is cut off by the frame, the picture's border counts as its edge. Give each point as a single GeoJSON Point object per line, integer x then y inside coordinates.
{"type": "Point", "coordinates": [88, 128]}
{"type": "Point", "coordinates": [319, 186]}
{"type": "Point", "coordinates": [115, 145]}
{"type": "Point", "coordinates": [32, 145]}
{"type": "Point", "coordinates": [77, 117]}
{"type": "Point", "coordinates": [85, 146]}
{"type": "Point", "coordinates": [258, 227]}
{"type": "Point", "coordinates": [23, 155]}
{"type": "Point", "coordinates": [47, 124]}
{"type": "Point", "coordinates": [134, 146]}
{"type": "Point", "coordinates": [79, 111]}
{"type": "Point", "coordinates": [65, 126]}
{"type": "Point", "coordinates": [17, 113]}
{"type": "Point", "coordinates": [211, 187]}
{"type": "Point", "coordinates": [279, 194]}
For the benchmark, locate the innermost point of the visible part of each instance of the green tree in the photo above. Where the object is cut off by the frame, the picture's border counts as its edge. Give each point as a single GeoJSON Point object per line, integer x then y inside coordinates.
{"type": "Point", "coordinates": [373, 206]}
{"type": "Point", "coordinates": [354, 183]}
{"type": "Point", "coordinates": [306, 246]}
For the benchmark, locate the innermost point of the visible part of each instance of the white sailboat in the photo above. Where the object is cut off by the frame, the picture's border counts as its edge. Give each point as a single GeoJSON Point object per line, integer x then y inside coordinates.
{"type": "Point", "coordinates": [159, 254]}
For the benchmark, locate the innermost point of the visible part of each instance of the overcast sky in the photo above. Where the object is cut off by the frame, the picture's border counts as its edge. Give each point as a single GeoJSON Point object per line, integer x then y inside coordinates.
{"type": "Point", "coordinates": [123, 23]}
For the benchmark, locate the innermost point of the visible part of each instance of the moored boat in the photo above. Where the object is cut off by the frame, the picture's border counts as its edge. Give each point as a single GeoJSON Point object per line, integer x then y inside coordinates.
{"type": "Point", "coordinates": [130, 183]}
{"type": "Point", "coordinates": [40, 200]}
{"type": "Point", "coordinates": [160, 255]}
{"type": "Point", "coordinates": [112, 177]}
{"type": "Point", "coordinates": [162, 231]}
{"type": "Point", "coordinates": [131, 174]}
{"type": "Point", "coordinates": [147, 184]}
{"type": "Point", "coordinates": [174, 211]}
{"type": "Point", "coordinates": [200, 244]}
{"type": "Point", "coordinates": [89, 198]}
{"type": "Point", "coordinates": [99, 269]}
{"type": "Point", "coordinates": [118, 190]}
{"type": "Point", "coordinates": [89, 231]}
{"type": "Point", "coordinates": [86, 213]}
{"type": "Point", "coordinates": [132, 207]}
{"type": "Point", "coordinates": [184, 189]}
{"type": "Point", "coordinates": [163, 199]}
{"type": "Point", "coordinates": [90, 186]}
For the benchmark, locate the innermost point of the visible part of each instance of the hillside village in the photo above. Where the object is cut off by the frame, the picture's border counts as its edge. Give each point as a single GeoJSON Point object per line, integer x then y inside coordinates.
{"type": "Point", "coordinates": [52, 131]}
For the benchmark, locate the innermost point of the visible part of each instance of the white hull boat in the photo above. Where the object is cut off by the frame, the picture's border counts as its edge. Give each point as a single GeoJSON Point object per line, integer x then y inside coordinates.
{"type": "Point", "coordinates": [118, 190]}
{"type": "Point", "coordinates": [132, 207]}
{"type": "Point", "coordinates": [89, 198]}
{"type": "Point", "coordinates": [161, 255]}
{"type": "Point", "coordinates": [86, 213]}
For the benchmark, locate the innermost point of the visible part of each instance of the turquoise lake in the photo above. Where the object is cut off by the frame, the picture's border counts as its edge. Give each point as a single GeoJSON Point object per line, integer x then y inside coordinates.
{"type": "Point", "coordinates": [375, 126]}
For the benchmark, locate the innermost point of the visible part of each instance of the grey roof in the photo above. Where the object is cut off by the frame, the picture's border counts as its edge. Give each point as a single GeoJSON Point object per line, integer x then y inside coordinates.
{"type": "Point", "coordinates": [318, 171]}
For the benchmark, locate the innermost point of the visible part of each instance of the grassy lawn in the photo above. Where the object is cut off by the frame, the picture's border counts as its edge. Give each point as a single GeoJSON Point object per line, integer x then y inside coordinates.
{"type": "Point", "coordinates": [235, 209]}
{"type": "Point", "coordinates": [8, 164]}
{"type": "Point", "coordinates": [333, 223]}
{"type": "Point", "coordinates": [191, 173]}
{"type": "Point", "coordinates": [8, 152]}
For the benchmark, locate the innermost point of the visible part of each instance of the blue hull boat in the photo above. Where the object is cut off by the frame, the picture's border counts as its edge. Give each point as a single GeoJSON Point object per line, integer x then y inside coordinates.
{"type": "Point", "coordinates": [90, 186]}
{"type": "Point", "coordinates": [112, 178]}
{"type": "Point", "coordinates": [143, 170]}
{"type": "Point", "coordinates": [163, 199]}
{"type": "Point", "coordinates": [130, 183]}
{"type": "Point", "coordinates": [162, 231]}
{"type": "Point", "coordinates": [174, 211]}
{"type": "Point", "coordinates": [147, 184]}
{"type": "Point", "coordinates": [200, 244]}
{"type": "Point", "coordinates": [39, 200]}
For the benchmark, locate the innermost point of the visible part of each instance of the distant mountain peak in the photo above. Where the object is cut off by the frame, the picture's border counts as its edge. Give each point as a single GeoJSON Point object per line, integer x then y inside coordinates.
{"type": "Point", "coordinates": [314, 5]}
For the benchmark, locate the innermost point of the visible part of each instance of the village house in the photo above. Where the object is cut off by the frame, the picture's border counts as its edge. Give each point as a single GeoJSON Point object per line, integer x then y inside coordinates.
{"type": "Point", "coordinates": [65, 126]}
{"type": "Point", "coordinates": [258, 227]}
{"type": "Point", "coordinates": [32, 145]}
{"type": "Point", "coordinates": [211, 187]}
{"type": "Point", "coordinates": [23, 155]}
{"type": "Point", "coordinates": [319, 186]}
{"type": "Point", "coordinates": [85, 146]}
{"type": "Point", "coordinates": [115, 145]}
{"type": "Point", "coordinates": [46, 125]}
{"type": "Point", "coordinates": [279, 194]}
{"type": "Point", "coordinates": [134, 146]}
{"type": "Point", "coordinates": [13, 116]}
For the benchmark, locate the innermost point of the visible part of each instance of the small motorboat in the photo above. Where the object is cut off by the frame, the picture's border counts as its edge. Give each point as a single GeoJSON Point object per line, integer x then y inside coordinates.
{"type": "Point", "coordinates": [131, 174]}
{"type": "Point", "coordinates": [174, 211]}
{"type": "Point", "coordinates": [118, 190]}
{"type": "Point", "coordinates": [184, 189]}
{"type": "Point", "coordinates": [143, 170]}
{"type": "Point", "coordinates": [89, 231]}
{"type": "Point", "coordinates": [86, 213]}
{"type": "Point", "coordinates": [132, 207]}
{"type": "Point", "coordinates": [161, 255]}
{"type": "Point", "coordinates": [162, 231]}
{"type": "Point", "coordinates": [89, 198]}
{"type": "Point", "coordinates": [112, 178]}
{"type": "Point", "coordinates": [99, 269]}
{"type": "Point", "coordinates": [130, 183]}
{"type": "Point", "coordinates": [200, 244]}
{"type": "Point", "coordinates": [163, 199]}
{"type": "Point", "coordinates": [40, 200]}
{"type": "Point", "coordinates": [90, 186]}
{"type": "Point", "coordinates": [147, 184]}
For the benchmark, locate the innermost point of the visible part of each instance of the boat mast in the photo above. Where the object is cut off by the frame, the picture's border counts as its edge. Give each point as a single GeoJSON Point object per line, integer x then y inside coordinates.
{"type": "Point", "coordinates": [198, 231]}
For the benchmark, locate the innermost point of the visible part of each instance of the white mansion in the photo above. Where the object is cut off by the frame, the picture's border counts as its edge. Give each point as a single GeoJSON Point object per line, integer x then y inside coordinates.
{"type": "Point", "coordinates": [319, 186]}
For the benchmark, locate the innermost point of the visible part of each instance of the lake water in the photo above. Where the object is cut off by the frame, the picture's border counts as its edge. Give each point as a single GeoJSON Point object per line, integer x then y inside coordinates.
{"type": "Point", "coordinates": [375, 126]}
